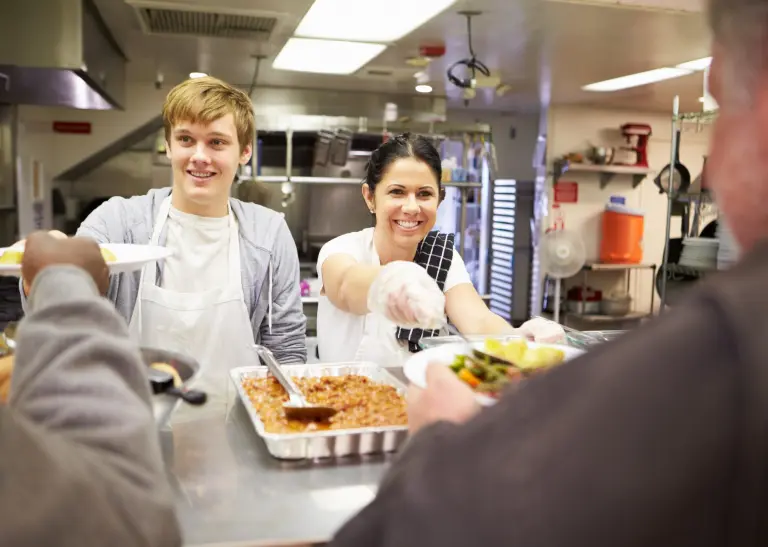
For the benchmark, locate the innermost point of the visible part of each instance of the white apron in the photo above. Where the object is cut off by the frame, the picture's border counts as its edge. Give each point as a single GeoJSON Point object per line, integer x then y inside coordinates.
{"type": "Point", "coordinates": [379, 345]}
{"type": "Point", "coordinates": [212, 326]}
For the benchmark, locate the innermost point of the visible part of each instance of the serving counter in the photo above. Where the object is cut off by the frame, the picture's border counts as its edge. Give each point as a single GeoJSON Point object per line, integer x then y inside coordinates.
{"type": "Point", "coordinates": [231, 492]}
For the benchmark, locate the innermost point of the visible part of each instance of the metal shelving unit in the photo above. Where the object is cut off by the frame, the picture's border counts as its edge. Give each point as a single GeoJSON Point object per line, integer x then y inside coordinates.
{"type": "Point", "coordinates": [679, 119]}
{"type": "Point", "coordinates": [627, 269]}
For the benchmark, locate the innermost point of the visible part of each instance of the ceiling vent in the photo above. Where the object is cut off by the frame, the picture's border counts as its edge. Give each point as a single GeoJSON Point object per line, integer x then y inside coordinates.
{"type": "Point", "coordinates": [388, 73]}
{"type": "Point", "coordinates": [378, 73]}
{"type": "Point", "coordinates": [176, 22]}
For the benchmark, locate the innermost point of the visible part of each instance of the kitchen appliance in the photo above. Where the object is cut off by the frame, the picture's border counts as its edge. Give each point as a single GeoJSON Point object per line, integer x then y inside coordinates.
{"type": "Point", "coordinates": [562, 255]}
{"type": "Point", "coordinates": [70, 59]}
{"type": "Point", "coordinates": [584, 300]}
{"type": "Point", "coordinates": [637, 136]}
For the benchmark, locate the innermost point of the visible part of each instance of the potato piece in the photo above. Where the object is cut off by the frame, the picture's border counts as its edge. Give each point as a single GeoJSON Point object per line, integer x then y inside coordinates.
{"type": "Point", "coordinates": [5, 388]}
{"type": "Point", "coordinates": [6, 369]}
{"type": "Point", "coordinates": [165, 367]}
{"type": "Point", "coordinates": [108, 255]}
{"type": "Point", "coordinates": [493, 346]}
{"type": "Point", "coordinates": [12, 256]}
{"type": "Point", "coordinates": [541, 358]}
{"type": "Point", "coordinates": [514, 351]}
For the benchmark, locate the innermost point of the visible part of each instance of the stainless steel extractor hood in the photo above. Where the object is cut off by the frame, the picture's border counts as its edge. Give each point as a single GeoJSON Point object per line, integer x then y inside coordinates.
{"type": "Point", "coordinates": [59, 53]}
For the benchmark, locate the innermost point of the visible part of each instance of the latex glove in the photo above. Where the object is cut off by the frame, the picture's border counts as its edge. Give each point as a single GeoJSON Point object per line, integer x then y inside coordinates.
{"type": "Point", "coordinates": [405, 294]}
{"type": "Point", "coordinates": [543, 331]}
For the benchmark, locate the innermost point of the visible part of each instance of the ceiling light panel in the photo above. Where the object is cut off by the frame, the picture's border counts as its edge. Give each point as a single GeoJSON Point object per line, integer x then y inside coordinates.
{"type": "Point", "coordinates": [325, 56]}
{"type": "Point", "coordinates": [367, 20]}
{"type": "Point", "coordinates": [698, 64]}
{"type": "Point", "coordinates": [635, 80]}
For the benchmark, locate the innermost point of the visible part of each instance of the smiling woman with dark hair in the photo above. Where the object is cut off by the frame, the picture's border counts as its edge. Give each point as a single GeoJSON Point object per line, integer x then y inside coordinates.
{"type": "Point", "coordinates": [386, 287]}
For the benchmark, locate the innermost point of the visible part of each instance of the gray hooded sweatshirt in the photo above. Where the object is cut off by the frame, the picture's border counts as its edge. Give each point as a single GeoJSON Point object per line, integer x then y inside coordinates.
{"type": "Point", "coordinates": [80, 458]}
{"type": "Point", "coordinates": [268, 259]}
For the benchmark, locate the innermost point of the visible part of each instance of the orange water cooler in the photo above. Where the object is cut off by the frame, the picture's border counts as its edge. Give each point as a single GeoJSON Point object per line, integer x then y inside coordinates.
{"type": "Point", "coordinates": [622, 237]}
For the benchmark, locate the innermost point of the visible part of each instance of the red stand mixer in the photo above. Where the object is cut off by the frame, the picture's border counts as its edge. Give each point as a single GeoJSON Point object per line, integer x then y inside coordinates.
{"type": "Point", "coordinates": [637, 135]}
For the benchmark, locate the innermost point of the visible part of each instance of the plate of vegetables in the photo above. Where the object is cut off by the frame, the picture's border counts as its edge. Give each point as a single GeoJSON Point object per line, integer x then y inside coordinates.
{"type": "Point", "coordinates": [491, 365]}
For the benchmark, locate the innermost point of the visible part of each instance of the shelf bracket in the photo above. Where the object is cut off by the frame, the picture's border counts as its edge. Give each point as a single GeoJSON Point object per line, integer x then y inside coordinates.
{"type": "Point", "coordinates": [558, 169]}
{"type": "Point", "coordinates": [637, 179]}
{"type": "Point", "coordinates": [605, 179]}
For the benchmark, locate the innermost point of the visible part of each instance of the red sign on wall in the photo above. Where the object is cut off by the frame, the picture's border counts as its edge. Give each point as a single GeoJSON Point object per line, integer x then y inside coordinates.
{"type": "Point", "coordinates": [79, 128]}
{"type": "Point", "coordinates": [566, 192]}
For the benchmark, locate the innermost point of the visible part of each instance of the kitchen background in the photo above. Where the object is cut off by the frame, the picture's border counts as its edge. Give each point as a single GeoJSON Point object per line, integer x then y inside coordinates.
{"type": "Point", "coordinates": [80, 123]}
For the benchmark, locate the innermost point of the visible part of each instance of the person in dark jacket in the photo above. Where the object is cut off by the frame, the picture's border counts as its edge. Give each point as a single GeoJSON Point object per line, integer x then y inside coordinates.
{"type": "Point", "coordinates": [659, 438]}
{"type": "Point", "coordinates": [80, 460]}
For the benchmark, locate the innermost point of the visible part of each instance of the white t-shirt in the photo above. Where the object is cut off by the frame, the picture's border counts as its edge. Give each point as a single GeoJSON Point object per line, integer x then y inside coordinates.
{"type": "Point", "coordinates": [339, 333]}
{"type": "Point", "coordinates": [200, 260]}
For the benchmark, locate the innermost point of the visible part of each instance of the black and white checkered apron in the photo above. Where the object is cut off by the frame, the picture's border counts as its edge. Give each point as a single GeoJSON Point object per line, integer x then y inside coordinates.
{"type": "Point", "coordinates": [434, 254]}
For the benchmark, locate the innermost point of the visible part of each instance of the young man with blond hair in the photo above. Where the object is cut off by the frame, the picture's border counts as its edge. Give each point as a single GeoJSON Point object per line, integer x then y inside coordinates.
{"type": "Point", "coordinates": [233, 278]}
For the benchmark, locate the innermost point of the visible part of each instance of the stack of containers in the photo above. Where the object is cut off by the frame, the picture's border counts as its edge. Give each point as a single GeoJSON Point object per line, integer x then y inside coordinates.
{"type": "Point", "coordinates": [622, 237]}
{"type": "Point", "coordinates": [728, 252]}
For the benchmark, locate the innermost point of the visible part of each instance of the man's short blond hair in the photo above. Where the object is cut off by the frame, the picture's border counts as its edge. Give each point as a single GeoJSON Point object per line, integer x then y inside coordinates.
{"type": "Point", "coordinates": [203, 100]}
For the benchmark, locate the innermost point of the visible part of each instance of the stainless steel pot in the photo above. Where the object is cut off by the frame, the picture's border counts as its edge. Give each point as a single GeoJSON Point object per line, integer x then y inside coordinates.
{"type": "Point", "coordinates": [616, 306]}
{"type": "Point", "coordinates": [601, 155]}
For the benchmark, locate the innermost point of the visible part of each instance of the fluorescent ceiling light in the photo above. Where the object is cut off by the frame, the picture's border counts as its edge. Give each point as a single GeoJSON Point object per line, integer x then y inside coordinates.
{"type": "Point", "coordinates": [368, 20]}
{"type": "Point", "coordinates": [651, 76]}
{"type": "Point", "coordinates": [197, 75]}
{"type": "Point", "coordinates": [325, 56]}
{"type": "Point", "coordinates": [424, 88]}
{"type": "Point", "coordinates": [635, 80]}
{"type": "Point", "coordinates": [698, 64]}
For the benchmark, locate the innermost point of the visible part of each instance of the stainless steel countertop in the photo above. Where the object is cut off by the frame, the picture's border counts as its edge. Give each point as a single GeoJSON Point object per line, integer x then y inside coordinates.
{"type": "Point", "coordinates": [230, 491]}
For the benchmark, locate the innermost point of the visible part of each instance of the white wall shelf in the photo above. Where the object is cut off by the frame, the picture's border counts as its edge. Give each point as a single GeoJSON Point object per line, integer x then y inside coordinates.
{"type": "Point", "coordinates": [605, 172]}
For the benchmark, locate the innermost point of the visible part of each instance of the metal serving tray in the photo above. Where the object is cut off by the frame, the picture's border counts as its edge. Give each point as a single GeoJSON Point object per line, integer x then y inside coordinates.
{"type": "Point", "coordinates": [324, 444]}
{"type": "Point", "coordinates": [594, 338]}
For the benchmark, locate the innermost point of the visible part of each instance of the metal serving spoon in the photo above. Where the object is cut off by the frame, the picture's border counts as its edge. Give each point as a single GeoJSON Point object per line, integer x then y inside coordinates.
{"type": "Point", "coordinates": [297, 407]}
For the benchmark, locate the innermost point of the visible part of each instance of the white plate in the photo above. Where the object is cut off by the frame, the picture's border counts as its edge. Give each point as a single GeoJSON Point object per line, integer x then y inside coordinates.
{"type": "Point", "coordinates": [415, 368]}
{"type": "Point", "coordinates": [129, 258]}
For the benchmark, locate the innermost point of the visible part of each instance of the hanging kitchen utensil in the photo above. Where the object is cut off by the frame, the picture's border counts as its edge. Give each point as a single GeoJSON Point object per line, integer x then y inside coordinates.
{"type": "Point", "coordinates": [340, 147]}
{"type": "Point", "coordinates": [677, 174]}
{"type": "Point", "coordinates": [323, 147]}
{"type": "Point", "coordinates": [685, 220]}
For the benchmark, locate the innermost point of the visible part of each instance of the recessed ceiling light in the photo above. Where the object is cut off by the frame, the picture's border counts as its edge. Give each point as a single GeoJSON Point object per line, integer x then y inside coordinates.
{"type": "Point", "coordinates": [361, 21]}
{"type": "Point", "coordinates": [698, 64]}
{"type": "Point", "coordinates": [424, 88]}
{"type": "Point", "coordinates": [197, 75]}
{"type": "Point", "coordinates": [325, 56]}
{"type": "Point", "coordinates": [635, 80]}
